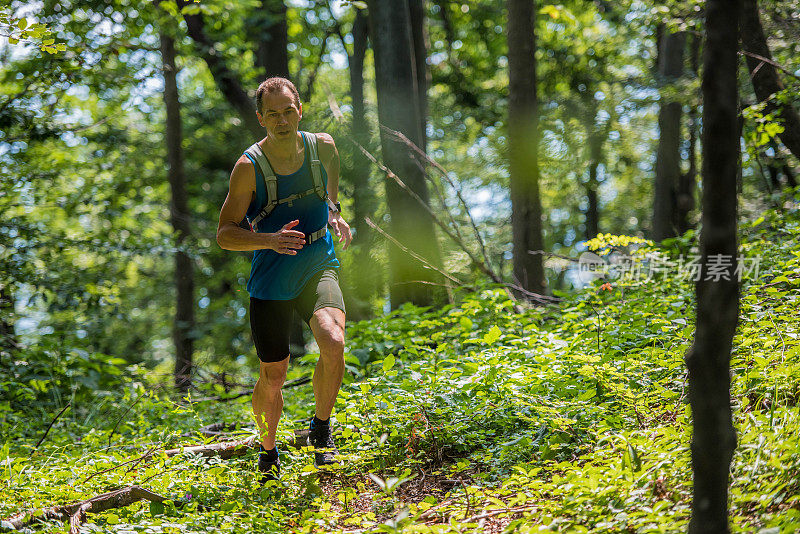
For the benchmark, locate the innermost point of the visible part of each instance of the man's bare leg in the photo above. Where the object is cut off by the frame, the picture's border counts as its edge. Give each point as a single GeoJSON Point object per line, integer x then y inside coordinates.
{"type": "Point", "coordinates": [327, 325]}
{"type": "Point", "coordinates": [268, 400]}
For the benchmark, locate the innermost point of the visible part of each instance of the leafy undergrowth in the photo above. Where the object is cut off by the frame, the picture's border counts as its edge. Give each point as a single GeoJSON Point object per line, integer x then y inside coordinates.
{"type": "Point", "coordinates": [469, 418]}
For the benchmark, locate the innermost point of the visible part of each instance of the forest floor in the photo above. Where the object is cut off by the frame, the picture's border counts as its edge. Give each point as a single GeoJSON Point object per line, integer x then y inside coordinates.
{"type": "Point", "coordinates": [471, 417]}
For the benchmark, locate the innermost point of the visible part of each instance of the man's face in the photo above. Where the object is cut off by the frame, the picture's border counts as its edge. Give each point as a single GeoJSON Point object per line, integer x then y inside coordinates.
{"type": "Point", "coordinates": [281, 116]}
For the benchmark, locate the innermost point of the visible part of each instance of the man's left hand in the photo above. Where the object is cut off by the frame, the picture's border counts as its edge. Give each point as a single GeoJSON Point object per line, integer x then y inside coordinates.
{"type": "Point", "coordinates": [340, 228]}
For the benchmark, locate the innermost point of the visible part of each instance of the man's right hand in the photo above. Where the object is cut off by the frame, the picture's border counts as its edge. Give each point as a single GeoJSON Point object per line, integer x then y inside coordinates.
{"type": "Point", "coordinates": [286, 240]}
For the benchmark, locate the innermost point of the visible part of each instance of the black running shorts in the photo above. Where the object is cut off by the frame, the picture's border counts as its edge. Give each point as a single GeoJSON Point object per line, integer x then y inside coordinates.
{"type": "Point", "coordinates": [271, 320]}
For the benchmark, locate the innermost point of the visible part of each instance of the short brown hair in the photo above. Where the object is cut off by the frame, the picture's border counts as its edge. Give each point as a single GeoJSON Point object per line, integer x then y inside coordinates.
{"type": "Point", "coordinates": [273, 85]}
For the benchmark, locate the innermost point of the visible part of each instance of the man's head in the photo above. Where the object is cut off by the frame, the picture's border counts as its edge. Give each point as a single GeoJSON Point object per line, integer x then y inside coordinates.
{"type": "Point", "coordinates": [278, 107]}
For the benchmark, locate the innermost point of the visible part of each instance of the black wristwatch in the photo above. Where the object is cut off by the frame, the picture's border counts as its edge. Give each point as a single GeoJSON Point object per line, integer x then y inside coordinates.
{"type": "Point", "coordinates": [335, 207]}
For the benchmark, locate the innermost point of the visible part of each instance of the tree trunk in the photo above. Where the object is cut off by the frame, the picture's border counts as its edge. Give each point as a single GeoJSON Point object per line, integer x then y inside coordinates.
{"type": "Point", "coordinates": [419, 38]}
{"type": "Point", "coordinates": [179, 217]}
{"type": "Point", "coordinates": [708, 360]}
{"type": "Point", "coordinates": [526, 209]}
{"type": "Point", "coordinates": [8, 337]}
{"type": "Point", "coordinates": [596, 134]}
{"type": "Point", "coordinates": [270, 33]}
{"type": "Point", "coordinates": [367, 281]}
{"type": "Point", "coordinates": [764, 76]}
{"type": "Point", "coordinates": [227, 80]}
{"type": "Point", "coordinates": [687, 183]}
{"type": "Point", "coordinates": [668, 158]}
{"type": "Point", "coordinates": [788, 173]}
{"type": "Point", "coordinates": [399, 109]}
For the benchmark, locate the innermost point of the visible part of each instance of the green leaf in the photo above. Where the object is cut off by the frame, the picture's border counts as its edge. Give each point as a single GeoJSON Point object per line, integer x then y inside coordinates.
{"type": "Point", "coordinates": [156, 508]}
{"type": "Point", "coordinates": [550, 10]}
{"type": "Point", "coordinates": [388, 363]}
{"type": "Point", "coordinates": [22, 24]}
{"type": "Point", "coordinates": [492, 335]}
{"type": "Point", "coordinates": [636, 462]}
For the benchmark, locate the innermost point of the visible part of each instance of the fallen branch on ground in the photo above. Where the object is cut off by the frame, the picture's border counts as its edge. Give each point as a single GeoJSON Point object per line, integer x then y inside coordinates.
{"type": "Point", "coordinates": [231, 449]}
{"type": "Point", "coordinates": [492, 513]}
{"type": "Point", "coordinates": [75, 513]}
{"type": "Point", "coordinates": [225, 449]}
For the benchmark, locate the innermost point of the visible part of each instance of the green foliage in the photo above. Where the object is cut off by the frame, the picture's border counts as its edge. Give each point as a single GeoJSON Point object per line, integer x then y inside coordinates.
{"type": "Point", "coordinates": [20, 30]}
{"type": "Point", "coordinates": [567, 418]}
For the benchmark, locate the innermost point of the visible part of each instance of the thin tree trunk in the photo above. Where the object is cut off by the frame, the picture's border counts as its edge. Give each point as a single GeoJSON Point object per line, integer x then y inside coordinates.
{"type": "Point", "coordinates": [764, 76]}
{"type": "Point", "coordinates": [419, 38]}
{"type": "Point", "coordinates": [399, 109]}
{"type": "Point", "coordinates": [8, 337]}
{"type": "Point", "coordinates": [271, 33]}
{"type": "Point", "coordinates": [526, 209]}
{"type": "Point", "coordinates": [688, 180]}
{"type": "Point", "coordinates": [592, 209]}
{"type": "Point", "coordinates": [179, 217]}
{"type": "Point", "coordinates": [596, 135]}
{"type": "Point", "coordinates": [708, 360]}
{"type": "Point", "coordinates": [367, 281]}
{"type": "Point", "coordinates": [668, 158]}
{"type": "Point", "coordinates": [779, 163]}
{"type": "Point", "coordinates": [788, 173]}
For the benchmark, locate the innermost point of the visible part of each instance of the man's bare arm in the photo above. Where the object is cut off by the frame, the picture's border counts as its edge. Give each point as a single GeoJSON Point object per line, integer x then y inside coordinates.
{"type": "Point", "coordinates": [329, 156]}
{"type": "Point", "coordinates": [240, 193]}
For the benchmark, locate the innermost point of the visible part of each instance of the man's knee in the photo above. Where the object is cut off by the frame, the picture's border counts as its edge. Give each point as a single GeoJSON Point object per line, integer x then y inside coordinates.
{"type": "Point", "coordinates": [273, 375]}
{"type": "Point", "coordinates": [332, 342]}
{"type": "Point", "coordinates": [329, 332]}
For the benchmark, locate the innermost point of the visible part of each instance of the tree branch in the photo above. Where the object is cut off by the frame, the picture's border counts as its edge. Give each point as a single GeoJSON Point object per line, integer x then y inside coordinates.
{"type": "Point", "coordinates": [75, 513]}
{"type": "Point", "coordinates": [486, 269]}
{"type": "Point", "coordinates": [421, 153]}
{"type": "Point", "coordinates": [227, 80]}
{"type": "Point", "coordinates": [410, 252]}
{"type": "Point", "coordinates": [769, 62]}
{"type": "Point", "coordinates": [64, 409]}
{"type": "Point", "coordinates": [313, 74]}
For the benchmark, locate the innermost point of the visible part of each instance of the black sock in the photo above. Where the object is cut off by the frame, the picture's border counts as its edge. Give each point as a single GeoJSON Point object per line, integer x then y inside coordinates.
{"type": "Point", "coordinates": [268, 455]}
{"type": "Point", "coordinates": [315, 422]}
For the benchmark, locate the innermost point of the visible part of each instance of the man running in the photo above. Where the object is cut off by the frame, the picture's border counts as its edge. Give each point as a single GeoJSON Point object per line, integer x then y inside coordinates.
{"type": "Point", "coordinates": [288, 199]}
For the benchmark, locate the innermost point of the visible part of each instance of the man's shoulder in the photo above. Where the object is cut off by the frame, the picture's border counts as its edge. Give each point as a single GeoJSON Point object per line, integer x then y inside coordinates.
{"type": "Point", "coordinates": [244, 165]}
{"type": "Point", "coordinates": [323, 137]}
{"type": "Point", "coordinates": [325, 143]}
{"type": "Point", "coordinates": [243, 160]}
{"type": "Point", "coordinates": [244, 174]}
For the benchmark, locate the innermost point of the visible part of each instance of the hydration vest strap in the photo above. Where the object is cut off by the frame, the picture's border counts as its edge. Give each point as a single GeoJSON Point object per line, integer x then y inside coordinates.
{"type": "Point", "coordinates": [270, 183]}
{"type": "Point", "coordinates": [319, 234]}
{"type": "Point", "coordinates": [316, 172]}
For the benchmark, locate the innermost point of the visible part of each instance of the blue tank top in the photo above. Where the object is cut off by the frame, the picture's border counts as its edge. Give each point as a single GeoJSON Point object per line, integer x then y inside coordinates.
{"type": "Point", "coordinates": [276, 276]}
